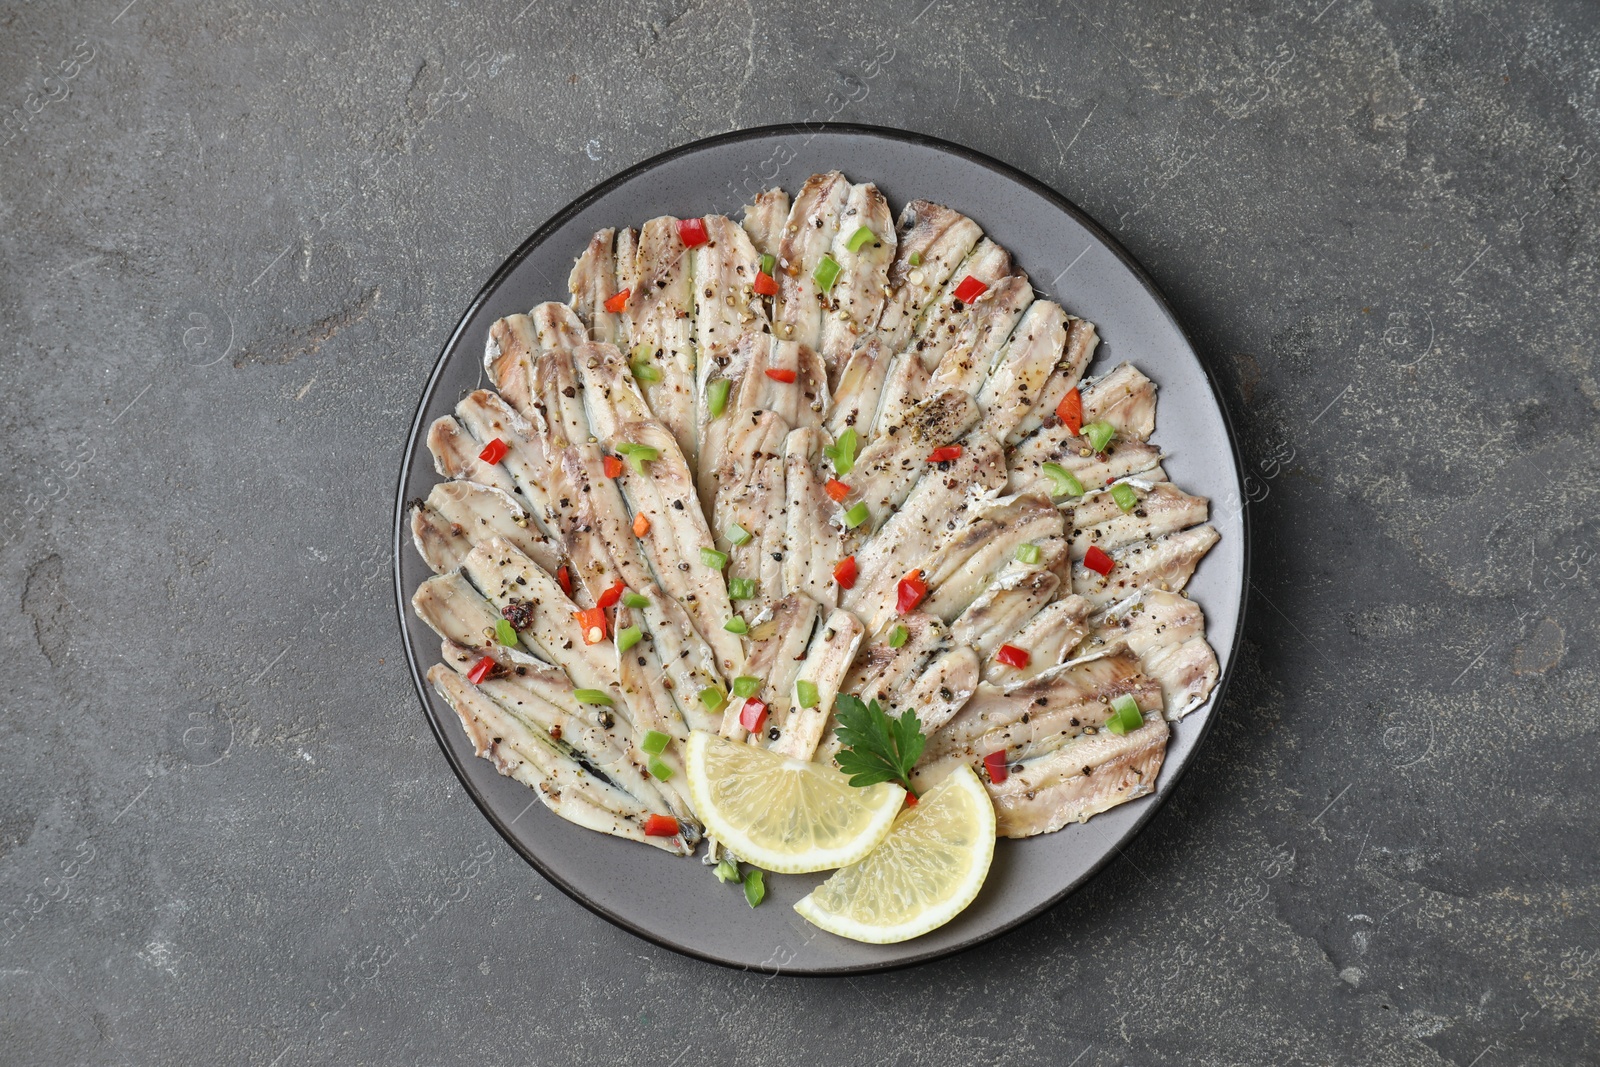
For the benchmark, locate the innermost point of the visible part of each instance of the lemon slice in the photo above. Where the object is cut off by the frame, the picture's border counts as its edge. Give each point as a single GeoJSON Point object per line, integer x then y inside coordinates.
{"type": "Point", "coordinates": [784, 814]}
{"type": "Point", "coordinates": [927, 870]}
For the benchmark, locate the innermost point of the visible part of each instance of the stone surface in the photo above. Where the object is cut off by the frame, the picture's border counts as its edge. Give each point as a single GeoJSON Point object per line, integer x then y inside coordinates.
{"type": "Point", "coordinates": [234, 238]}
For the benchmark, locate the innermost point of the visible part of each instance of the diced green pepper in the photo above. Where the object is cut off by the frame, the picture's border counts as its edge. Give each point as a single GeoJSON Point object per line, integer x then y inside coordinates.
{"type": "Point", "coordinates": [504, 632]}
{"type": "Point", "coordinates": [712, 698]}
{"type": "Point", "coordinates": [898, 636]}
{"type": "Point", "coordinates": [1062, 481]}
{"type": "Point", "coordinates": [636, 600]}
{"type": "Point", "coordinates": [1125, 497]}
{"type": "Point", "coordinates": [1029, 554]}
{"type": "Point", "coordinates": [746, 686]}
{"type": "Point", "coordinates": [738, 535]}
{"type": "Point", "coordinates": [768, 262]}
{"type": "Point", "coordinates": [717, 396]}
{"type": "Point", "coordinates": [713, 559]}
{"type": "Point", "coordinates": [1099, 434]}
{"type": "Point", "coordinates": [826, 273]}
{"type": "Point", "coordinates": [856, 516]}
{"type": "Point", "coordinates": [627, 637]}
{"type": "Point", "coordinates": [805, 693]}
{"type": "Point", "coordinates": [659, 769]}
{"type": "Point", "coordinates": [736, 625]}
{"type": "Point", "coordinates": [655, 742]}
{"type": "Point", "coordinates": [741, 588]}
{"type": "Point", "coordinates": [860, 239]}
{"type": "Point", "coordinates": [592, 696]}
{"type": "Point", "coordinates": [727, 871]}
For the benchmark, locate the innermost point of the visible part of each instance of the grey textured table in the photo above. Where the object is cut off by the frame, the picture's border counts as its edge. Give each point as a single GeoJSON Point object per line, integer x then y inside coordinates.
{"type": "Point", "coordinates": [235, 236]}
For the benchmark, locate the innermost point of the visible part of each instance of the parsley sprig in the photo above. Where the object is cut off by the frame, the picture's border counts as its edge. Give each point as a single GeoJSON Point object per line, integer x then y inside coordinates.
{"type": "Point", "coordinates": [876, 747]}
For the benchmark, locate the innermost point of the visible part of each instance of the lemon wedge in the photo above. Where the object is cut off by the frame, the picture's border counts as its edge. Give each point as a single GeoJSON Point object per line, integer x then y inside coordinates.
{"type": "Point", "coordinates": [927, 870]}
{"type": "Point", "coordinates": [784, 814]}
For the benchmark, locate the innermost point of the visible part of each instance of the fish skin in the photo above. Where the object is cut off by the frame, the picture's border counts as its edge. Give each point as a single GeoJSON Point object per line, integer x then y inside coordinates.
{"type": "Point", "coordinates": [969, 558]}
{"type": "Point", "coordinates": [935, 508]}
{"type": "Point", "coordinates": [778, 640]}
{"type": "Point", "coordinates": [592, 282]}
{"type": "Point", "coordinates": [726, 307]}
{"type": "Point", "coordinates": [713, 432]}
{"type": "Point", "coordinates": [860, 387]}
{"type": "Point", "coordinates": [562, 784]}
{"type": "Point", "coordinates": [458, 514]}
{"type": "Point", "coordinates": [827, 662]}
{"type": "Point", "coordinates": [1053, 444]}
{"type": "Point", "coordinates": [487, 417]}
{"type": "Point", "coordinates": [1020, 374]}
{"type": "Point", "coordinates": [1017, 594]}
{"type": "Point", "coordinates": [1049, 638]}
{"type": "Point", "coordinates": [751, 485]}
{"type": "Point", "coordinates": [455, 455]}
{"type": "Point", "coordinates": [943, 318]}
{"type": "Point", "coordinates": [881, 670]}
{"type": "Point", "coordinates": [1161, 508]}
{"type": "Point", "coordinates": [858, 294]}
{"type": "Point", "coordinates": [943, 688]}
{"type": "Point", "coordinates": [1167, 631]}
{"type": "Point", "coordinates": [1082, 340]}
{"type": "Point", "coordinates": [807, 237]}
{"type": "Point", "coordinates": [1125, 398]}
{"type": "Point", "coordinates": [812, 546]}
{"type": "Point", "coordinates": [508, 358]}
{"type": "Point", "coordinates": [557, 405]}
{"type": "Point", "coordinates": [905, 386]}
{"type": "Point", "coordinates": [660, 313]}
{"type": "Point", "coordinates": [941, 239]}
{"type": "Point", "coordinates": [802, 402]}
{"type": "Point", "coordinates": [763, 219]}
{"type": "Point", "coordinates": [888, 467]}
{"type": "Point", "coordinates": [983, 335]}
{"type": "Point", "coordinates": [1165, 562]}
{"type": "Point", "coordinates": [1053, 792]}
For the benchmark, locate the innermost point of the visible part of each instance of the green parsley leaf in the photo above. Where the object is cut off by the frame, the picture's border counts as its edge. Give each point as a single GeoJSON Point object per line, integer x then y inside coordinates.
{"type": "Point", "coordinates": [876, 747]}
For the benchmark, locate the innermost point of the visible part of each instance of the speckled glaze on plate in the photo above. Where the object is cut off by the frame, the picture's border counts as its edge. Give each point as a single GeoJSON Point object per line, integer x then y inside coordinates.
{"type": "Point", "coordinates": [675, 902]}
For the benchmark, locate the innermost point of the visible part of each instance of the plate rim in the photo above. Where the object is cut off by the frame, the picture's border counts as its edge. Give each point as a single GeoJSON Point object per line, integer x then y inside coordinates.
{"type": "Point", "coordinates": [558, 219]}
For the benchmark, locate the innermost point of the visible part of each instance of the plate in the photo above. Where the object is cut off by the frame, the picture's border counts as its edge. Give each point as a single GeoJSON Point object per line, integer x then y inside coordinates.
{"type": "Point", "coordinates": [675, 902]}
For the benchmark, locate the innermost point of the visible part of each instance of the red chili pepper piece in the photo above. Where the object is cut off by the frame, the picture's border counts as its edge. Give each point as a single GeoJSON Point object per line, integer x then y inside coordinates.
{"type": "Point", "coordinates": [564, 576]}
{"type": "Point", "coordinates": [693, 231]}
{"type": "Point", "coordinates": [615, 304]}
{"type": "Point", "coordinates": [494, 451]}
{"type": "Point", "coordinates": [613, 467]}
{"type": "Point", "coordinates": [1070, 411]}
{"type": "Point", "coordinates": [969, 289]}
{"type": "Point", "coordinates": [1012, 656]}
{"type": "Point", "coordinates": [766, 284]}
{"type": "Point", "coordinates": [752, 715]}
{"type": "Point", "coordinates": [911, 800]}
{"type": "Point", "coordinates": [593, 622]}
{"type": "Point", "coordinates": [660, 825]}
{"type": "Point", "coordinates": [1098, 561]}
{"type": "Point", "coordinates": [945, 454]}
{"type": "Point", "coordinates": [910, 591]}
{"type": "Point", "coordinates": [995, 764]}
{"type": "Point", "coordinates": [837, 489]}
{"type": "Point", "coordinates": [845, 573]}
{"type": "Point", "coordinates": [611, 596]}
{"type": "Point", "coordinates": [480, 670]}
{"type": "Point", "coordinates": [787, 377]}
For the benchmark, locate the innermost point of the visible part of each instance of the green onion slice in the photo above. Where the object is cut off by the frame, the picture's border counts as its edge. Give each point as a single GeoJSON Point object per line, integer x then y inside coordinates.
{"type": "Point", "coordinates": [746, 686]}
{"type": "Point", "coordinates": [1125, 497]}
{"type": "Point", "coordinates": [655, 742]}
{"type": "Point", "coordinates": [736, 625]}
{"type": "Point", "coordinates": [504, 632]}
{"type": "Point", "coordinates": [592, 696]}
{"type": "Point", "coordinates": [741, 588]}
{"type": "Point", "coordinates": [768, 262]}
{"type": "Point", "coordinates": [636, 600]}
{"type": "Point", "coordinates": [1029, 554]}
{"type": "Point", "coordinates": [805, 693]}
{"type": "Point", "coordinates": [713, 559]}
{"type": "Point", "coordinates": [755, 886]}
{"type": "Point", "coordinates": [627, 637]}
{"type": "Point", "coordinates": [826, 273]}
{"type": "Point", "coordinates": [855, 516]}
{"type": "Point", "coordinates": [1125, 715]}
{"type": "Point", "coordinates": [658, 769]}
{"type": "Point", "coordinates": [638, 455]}
{"type": "Point", "coordinates": [843, 452]}
{"type": "Point", "coordinates": [738, 535]}
{"type": "Point", "coordinates": [915, 259]}
{"type": "Point", "coordinates": [645, 372]}
{"type": "Point", "coordinates": [1099, 434]}
{"type": "Point", "coordinates": [727, 871]}
{"type": "Point", "coordinates": [717, 396]}
{"type": "Point", "coordinates": [712, 698]}
{"type": "Point", "coordinates": [1062, 481]}
{"type": "Point", "coordinates": [898, 636]}
{"type": "Point", "coordinates": [860, 238]}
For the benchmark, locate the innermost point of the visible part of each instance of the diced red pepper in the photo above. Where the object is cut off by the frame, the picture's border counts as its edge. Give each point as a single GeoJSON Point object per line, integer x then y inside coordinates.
{"type": "Point", "coordinates": [641, 524]}
{"type": "Point", "coordinates": [837, 489]}
{"type": "Point", "coordinates": [910, 591]}
{"type": "Point", "coordinates": [661, 825]}
{"type": "Point", "coordinates": [611, 596]}
{"type": "Point", "coordinates": [995, 764]}
{"type": "Point", "coordinates": [845, 573]}
{"type": "Point", "coordinates": [1012, 656]}
{"type": "Point", "coordinates": [494, 451]}
{"type": "Point", "coordinates": [766, 284]}
{"type": "Point", "coordinates": [752, 715]}
{"type": "Point", "coordinates": [1098, 561]}
{"type": "Point", "coordinates": [969, 289]}
{"type": "Point", "coordinates": [911, 800]}
{"type": "Point", "coordinates": [593, 621]}
{"type": "Point", "coordinates": [480, 670]}
{"type": "Point", "coordinates": [787, 377]}
{"type": "Point", "coordinates": [613, 467]}
{"type": "Point", "coordinates": [615, 304]}
{"type": "Point", "coordinates": [693, 231]}
{"type": "Point", "coordinates": [945, 454]}
{"type": "Point", "coordinates": [564, 577]}
{"type": "Point", "coordinates": [1070, 411]}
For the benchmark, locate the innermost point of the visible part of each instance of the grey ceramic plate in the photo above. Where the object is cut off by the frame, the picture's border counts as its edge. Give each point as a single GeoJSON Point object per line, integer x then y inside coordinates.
{"type": "Point", "coordinates": [675, 902]}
